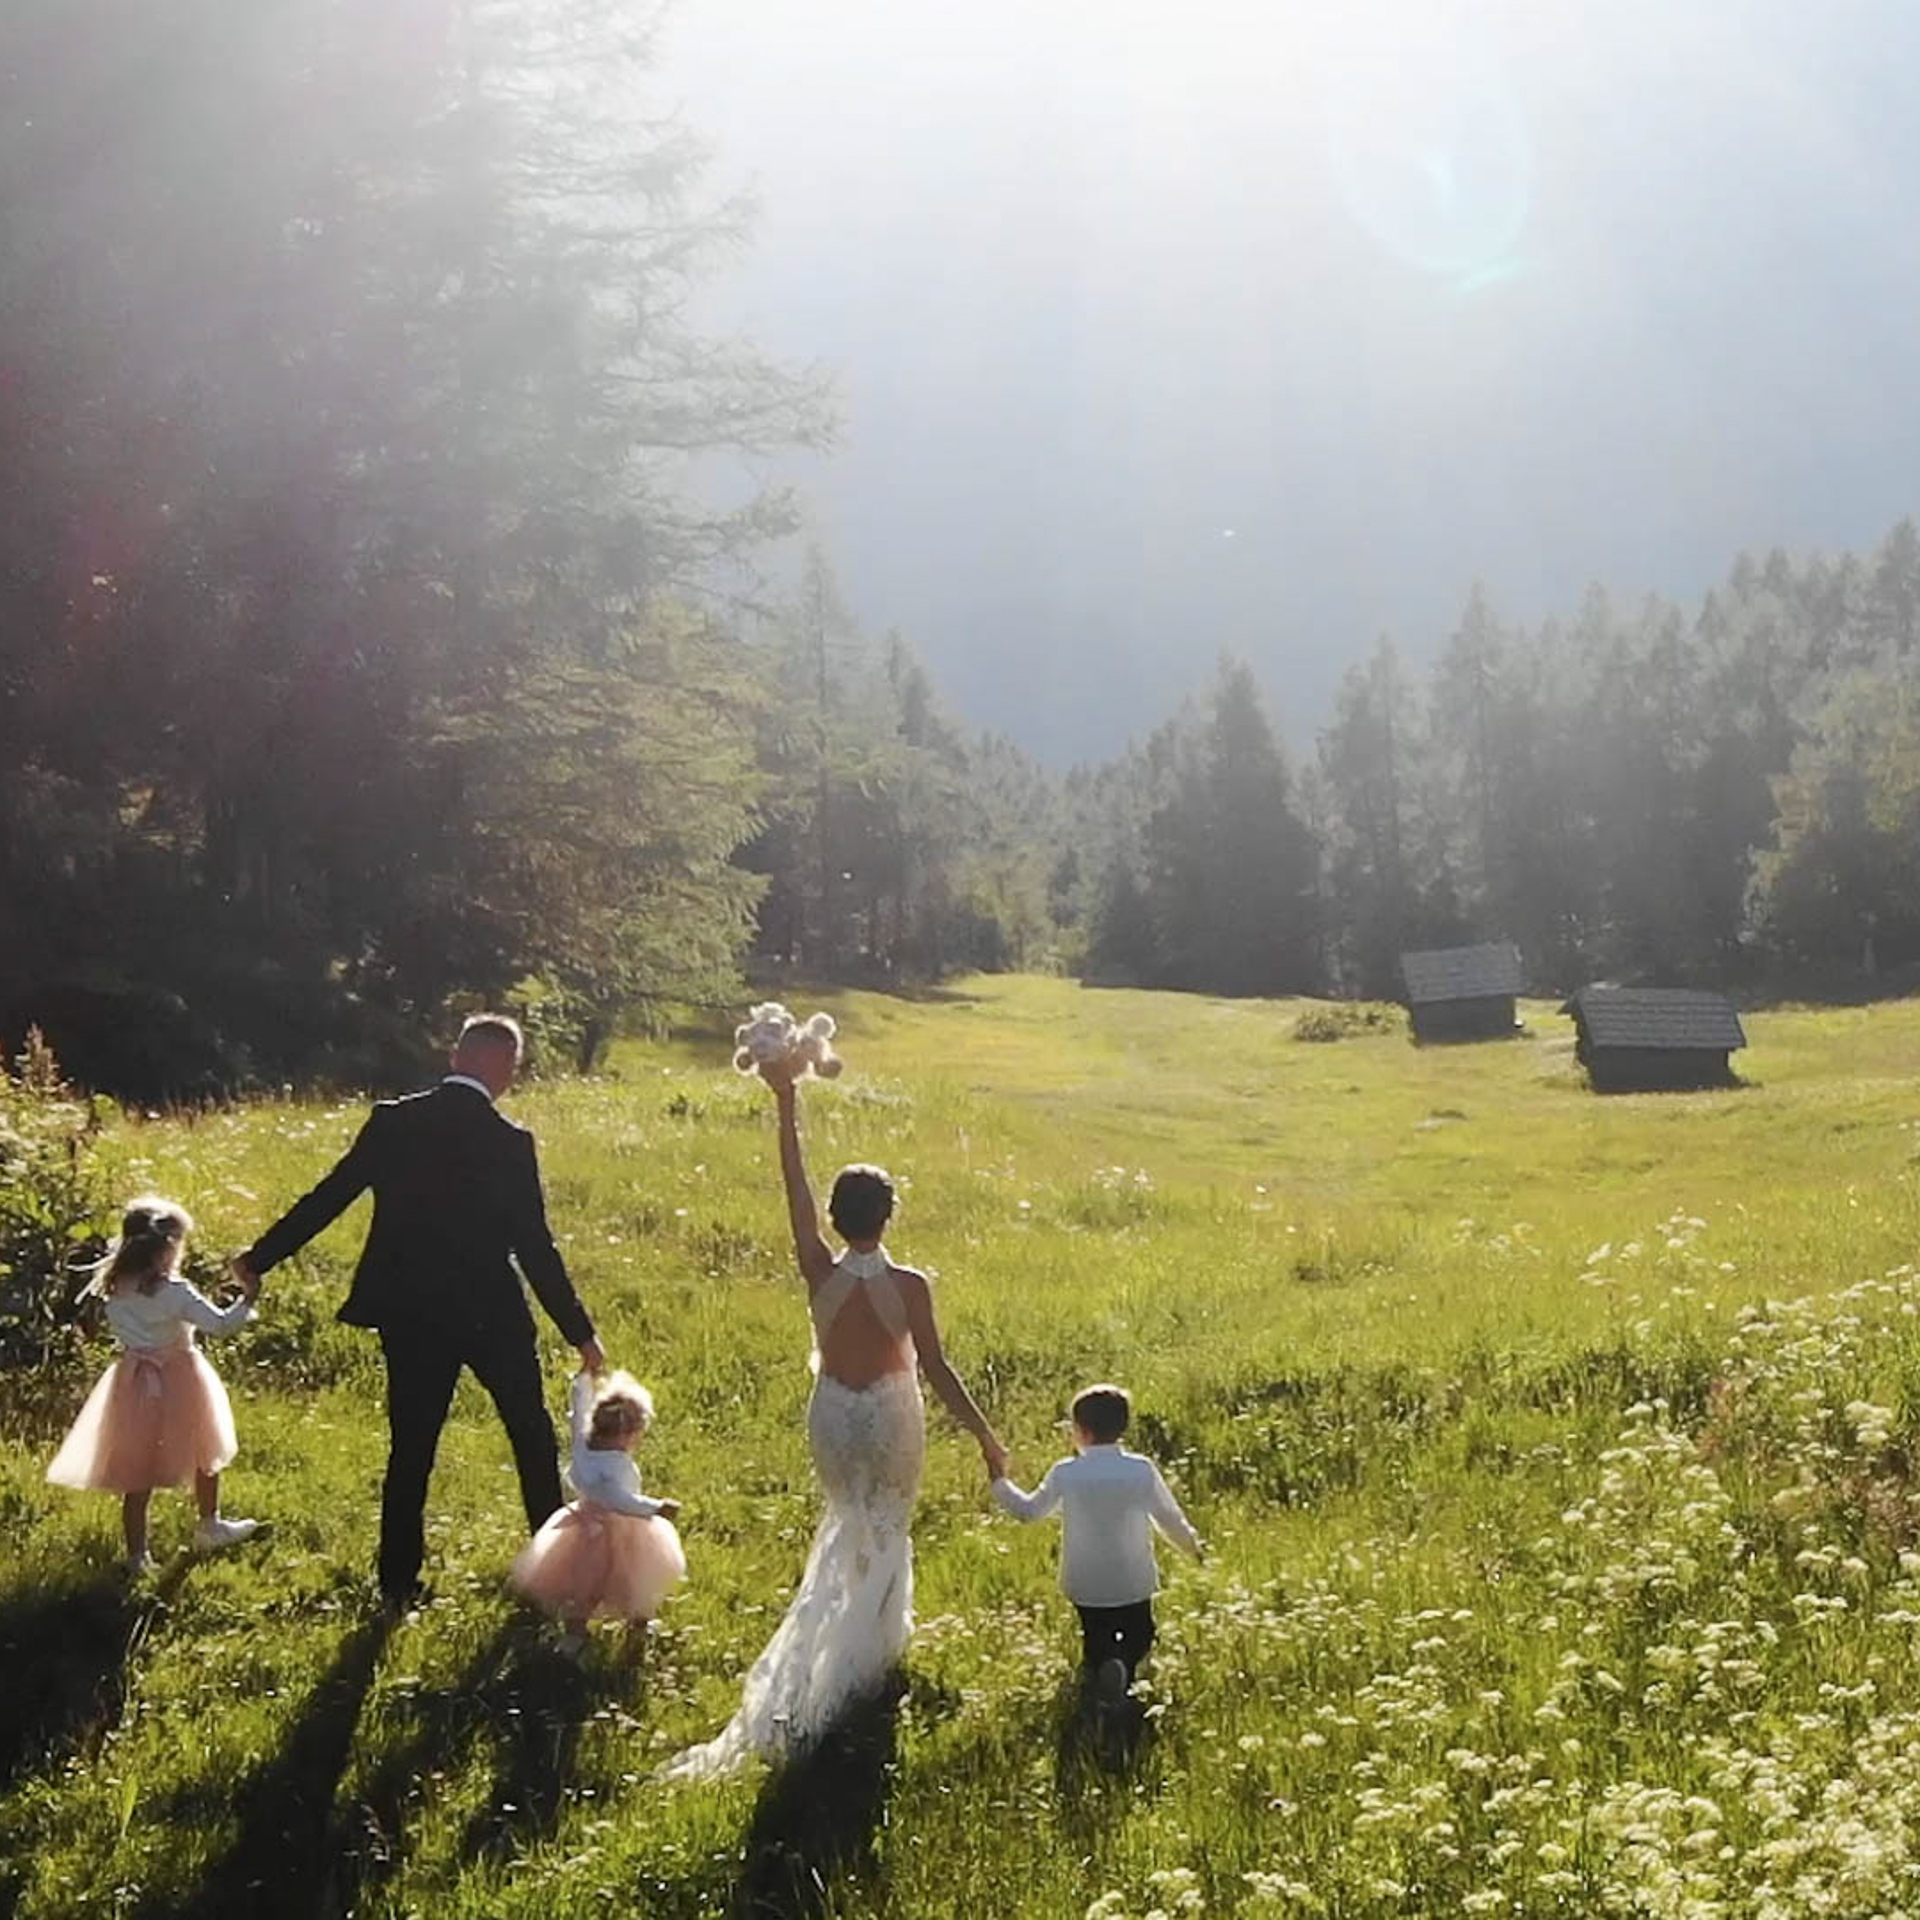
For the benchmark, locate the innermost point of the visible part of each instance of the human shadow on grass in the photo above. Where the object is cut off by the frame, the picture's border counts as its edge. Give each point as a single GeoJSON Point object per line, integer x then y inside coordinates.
{"type": "Point", "coordinates": [537, 1706]}
{"type": "Point", "coordinates": [446, 1723]}
{"type": "Point", "coordinates": [1099, 1753]}
{"type": "Point", "coordinates": [525, 1701]}
{"type": "Point", "coordinates": [819, 1817]}
{"type": "Point", "coordinates": [280, 1861]}
{"type": "Point", "coordinates": [65, 1653]}
{"type": "Point", "coordinates": [295, 1852]}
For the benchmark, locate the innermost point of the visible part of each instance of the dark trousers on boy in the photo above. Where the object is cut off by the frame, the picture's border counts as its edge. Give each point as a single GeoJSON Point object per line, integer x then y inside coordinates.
{"type": "Point", "coordinates": [1116, 1633]}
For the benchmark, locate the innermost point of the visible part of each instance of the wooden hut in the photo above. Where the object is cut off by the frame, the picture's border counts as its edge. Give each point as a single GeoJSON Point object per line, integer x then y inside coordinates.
{"type": "Point", "coordinates": [1654, 1039]}
{"type": "Point", "coordinates": [1462, 993]}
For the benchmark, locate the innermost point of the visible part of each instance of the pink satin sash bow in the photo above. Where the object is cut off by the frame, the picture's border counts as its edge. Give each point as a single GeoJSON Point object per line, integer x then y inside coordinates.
{"type": "Point", "coordinates": [149, 1367]}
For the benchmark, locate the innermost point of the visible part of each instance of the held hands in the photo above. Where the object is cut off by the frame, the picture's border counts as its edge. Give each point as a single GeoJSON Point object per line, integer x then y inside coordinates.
{"type": "Point", "coordinates": [994, 1457]}
{"type": "Point", "coordinates": [245, 1276]}
{"type": "Point", "coordinates": [593, 1359]}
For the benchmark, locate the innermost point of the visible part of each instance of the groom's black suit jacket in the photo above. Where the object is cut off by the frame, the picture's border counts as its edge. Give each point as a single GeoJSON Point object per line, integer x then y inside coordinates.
{"type": "Point", "coordinates": [456, 1201]}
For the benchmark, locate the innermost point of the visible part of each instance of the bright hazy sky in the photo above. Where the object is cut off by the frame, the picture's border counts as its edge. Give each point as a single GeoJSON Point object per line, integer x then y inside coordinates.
{"type": "Point", "coordinates": [1165, 327]}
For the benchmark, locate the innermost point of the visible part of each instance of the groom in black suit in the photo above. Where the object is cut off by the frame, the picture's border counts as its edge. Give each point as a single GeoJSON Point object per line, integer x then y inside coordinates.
{"type": "Point", "coordinates": [456, 1202]}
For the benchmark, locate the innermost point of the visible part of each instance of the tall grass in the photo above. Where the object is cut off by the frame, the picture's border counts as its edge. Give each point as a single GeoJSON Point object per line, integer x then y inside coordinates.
{"type": "Point", "coordinates": [1558, 1565]}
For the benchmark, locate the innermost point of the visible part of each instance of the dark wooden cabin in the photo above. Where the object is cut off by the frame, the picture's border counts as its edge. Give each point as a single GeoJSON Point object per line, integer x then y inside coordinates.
{"type": "Point", "coordinates": [1462, 993]}
{"type": "Point", "coordinates": [1655, 1039]}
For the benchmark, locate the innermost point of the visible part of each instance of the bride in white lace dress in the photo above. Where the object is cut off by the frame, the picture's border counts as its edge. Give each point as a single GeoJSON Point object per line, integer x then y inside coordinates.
{"type": "Point", "coordinates": [873, 1324]}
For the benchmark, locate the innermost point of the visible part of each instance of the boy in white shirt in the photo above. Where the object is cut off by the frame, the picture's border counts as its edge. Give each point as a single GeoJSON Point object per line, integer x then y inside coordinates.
{"type": "Point", "coordinates": [1111, 1499]}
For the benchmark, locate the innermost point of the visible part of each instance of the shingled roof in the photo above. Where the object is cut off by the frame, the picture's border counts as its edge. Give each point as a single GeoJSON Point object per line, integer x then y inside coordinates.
{"type": "Point", "coordinates": [1659, 1018]}
{"type": "Point", "coordinates": [1461, 973]}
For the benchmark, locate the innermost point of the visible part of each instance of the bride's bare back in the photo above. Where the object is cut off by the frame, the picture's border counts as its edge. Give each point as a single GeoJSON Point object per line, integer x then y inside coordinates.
{"type": "Point", "coordinates": [860, 1338]}
{"type": "Point", "coordinates": [862, 1327]}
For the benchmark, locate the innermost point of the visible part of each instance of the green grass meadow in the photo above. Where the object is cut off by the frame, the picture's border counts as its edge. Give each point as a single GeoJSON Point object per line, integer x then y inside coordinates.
{"type": "Point", "coordinates": [1555, 1453]}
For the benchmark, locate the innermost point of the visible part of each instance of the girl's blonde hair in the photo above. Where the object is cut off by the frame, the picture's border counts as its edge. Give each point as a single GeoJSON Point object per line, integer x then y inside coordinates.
{"type": "Point", "coordinates": [622, 1405]}
{"type": "Point", "coordinates": [152, 1232]}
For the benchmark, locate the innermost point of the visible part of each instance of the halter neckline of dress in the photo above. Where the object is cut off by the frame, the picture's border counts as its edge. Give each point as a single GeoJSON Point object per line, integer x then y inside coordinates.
{"type": "Point", "coordinates": [872, 1271]}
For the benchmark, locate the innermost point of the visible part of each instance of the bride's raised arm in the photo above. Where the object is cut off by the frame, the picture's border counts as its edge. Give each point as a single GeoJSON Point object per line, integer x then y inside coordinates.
{"type": "Point", "coordinates": [809, 1249]}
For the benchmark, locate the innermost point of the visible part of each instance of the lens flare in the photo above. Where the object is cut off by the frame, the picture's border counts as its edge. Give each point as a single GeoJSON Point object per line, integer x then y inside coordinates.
{"type": "Point", "coordinates": [1430, 154]}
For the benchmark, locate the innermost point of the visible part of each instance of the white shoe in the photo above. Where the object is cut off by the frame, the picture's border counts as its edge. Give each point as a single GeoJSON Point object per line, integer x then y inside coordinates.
{"type": "Point", "coordinates": [211, 1535]}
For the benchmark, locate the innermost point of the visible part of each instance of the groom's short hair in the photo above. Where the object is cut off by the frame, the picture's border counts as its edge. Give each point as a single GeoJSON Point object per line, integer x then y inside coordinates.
{"type": "Point", "coordinates": [493, 1030]}
{"type": "Point", "coordinates": [1102, 1412]}
{"type": "Point", "coordinates": [861, 1202]}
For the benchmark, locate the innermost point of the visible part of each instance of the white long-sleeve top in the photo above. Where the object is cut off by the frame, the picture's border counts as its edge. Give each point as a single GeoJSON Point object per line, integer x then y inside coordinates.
{"type": "Point", "coordinates": [1110, 1500]}
{"type": "Point", "coordinates": [166, 1316]}
{"type": "Point", "coordinates": [605, 1475]}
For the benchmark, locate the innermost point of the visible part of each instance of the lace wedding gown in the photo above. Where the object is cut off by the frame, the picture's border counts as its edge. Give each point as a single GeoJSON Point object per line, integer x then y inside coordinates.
{"type": "Point", "coordinates": [851, 1617]}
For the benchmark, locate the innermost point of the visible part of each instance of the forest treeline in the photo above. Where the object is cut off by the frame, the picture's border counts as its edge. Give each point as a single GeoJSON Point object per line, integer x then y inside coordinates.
{"type": "Point", "coordinates": [1727, 796]}
{"type": "Point", "coordinates": [384, 626]}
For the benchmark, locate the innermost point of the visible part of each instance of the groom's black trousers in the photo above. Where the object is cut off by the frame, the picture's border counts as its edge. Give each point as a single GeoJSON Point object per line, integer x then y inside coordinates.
{"type": "Point", "coordinates": [423, 1368]}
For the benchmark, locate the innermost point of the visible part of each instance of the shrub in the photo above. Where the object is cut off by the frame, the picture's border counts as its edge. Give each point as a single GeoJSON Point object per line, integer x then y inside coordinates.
{"type": "Point", "coordinates": [50, 1207]}
{"type": "Point", "coordinates": [1346, 1019]}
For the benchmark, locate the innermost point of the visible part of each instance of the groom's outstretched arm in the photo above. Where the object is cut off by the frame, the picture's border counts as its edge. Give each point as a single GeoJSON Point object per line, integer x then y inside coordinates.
{"type": "Point", "coordinates": [313, 1212]}
{"type": "Point", "coordinates": [539, 1258]}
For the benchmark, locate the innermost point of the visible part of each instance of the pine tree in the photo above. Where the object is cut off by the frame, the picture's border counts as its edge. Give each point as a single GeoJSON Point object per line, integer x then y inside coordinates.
{"type": "Point", "coordinates": [1364, 754]}
{"type": "Point", "coordinates": [354, 404]}
{"type": "Point", "coordinates": [1231, 867]}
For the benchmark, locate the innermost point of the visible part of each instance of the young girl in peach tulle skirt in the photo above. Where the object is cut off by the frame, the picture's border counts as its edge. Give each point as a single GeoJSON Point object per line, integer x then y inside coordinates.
{"type": "Point", "coordinates": [613, 1552]}
{"type": "Point", "coordinates": [159, 1416]}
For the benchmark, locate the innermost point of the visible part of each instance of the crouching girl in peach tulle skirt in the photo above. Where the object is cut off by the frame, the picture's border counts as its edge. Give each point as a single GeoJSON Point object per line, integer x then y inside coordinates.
{"type": "Point", "coordinates": [158, 1416]}
{"type": "Point", "coordinates": [613, 1552]}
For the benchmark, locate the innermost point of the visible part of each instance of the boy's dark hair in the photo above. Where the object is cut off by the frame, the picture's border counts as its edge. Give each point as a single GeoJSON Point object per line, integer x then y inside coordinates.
{"type": "Point", "coordinates": [861, 1202]}
{"type": "Point", "coordinates": [1102, 1412]}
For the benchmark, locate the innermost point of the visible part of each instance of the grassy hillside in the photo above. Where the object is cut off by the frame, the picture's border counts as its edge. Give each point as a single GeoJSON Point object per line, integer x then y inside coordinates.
{"type": "Point", "coordinates": [1558, 1567]}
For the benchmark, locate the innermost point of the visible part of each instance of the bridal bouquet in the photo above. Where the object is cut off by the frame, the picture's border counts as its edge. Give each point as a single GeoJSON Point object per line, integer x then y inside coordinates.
{"type": "Point", "coordinates": [771, 1036]}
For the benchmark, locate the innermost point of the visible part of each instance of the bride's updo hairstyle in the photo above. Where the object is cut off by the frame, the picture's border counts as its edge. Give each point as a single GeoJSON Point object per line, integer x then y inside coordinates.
{"type": "Point", "coordinates": [861, 1203]}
